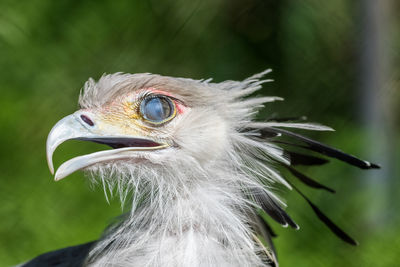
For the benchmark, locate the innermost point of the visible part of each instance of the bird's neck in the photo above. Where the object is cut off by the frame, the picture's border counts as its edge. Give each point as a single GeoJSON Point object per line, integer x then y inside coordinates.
{"type": "Point", "coordinates": [200, 224]}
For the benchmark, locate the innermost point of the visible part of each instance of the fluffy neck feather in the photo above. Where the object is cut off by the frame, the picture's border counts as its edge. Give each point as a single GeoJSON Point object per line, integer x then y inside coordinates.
{"type": "Point", "coordinates": [174, 222]}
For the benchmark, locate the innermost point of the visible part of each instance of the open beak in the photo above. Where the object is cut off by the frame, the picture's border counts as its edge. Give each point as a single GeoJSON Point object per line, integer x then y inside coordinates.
{"type": "Point", "coordinates": [74, 127]}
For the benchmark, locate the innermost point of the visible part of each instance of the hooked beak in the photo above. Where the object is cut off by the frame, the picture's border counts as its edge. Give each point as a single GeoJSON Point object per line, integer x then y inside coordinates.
{"type": "Point", "coordinates": [74, 127]}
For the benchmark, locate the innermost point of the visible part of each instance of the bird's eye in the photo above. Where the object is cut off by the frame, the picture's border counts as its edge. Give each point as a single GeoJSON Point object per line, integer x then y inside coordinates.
{"type": "Point", "coordinates": [157, 109]}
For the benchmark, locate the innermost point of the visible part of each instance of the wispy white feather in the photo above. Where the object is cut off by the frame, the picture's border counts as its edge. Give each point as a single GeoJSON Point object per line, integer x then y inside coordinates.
{"type": "Point", "coordinates": [188, 206]}
{"type": "Point", "coordinates": [305, 126]}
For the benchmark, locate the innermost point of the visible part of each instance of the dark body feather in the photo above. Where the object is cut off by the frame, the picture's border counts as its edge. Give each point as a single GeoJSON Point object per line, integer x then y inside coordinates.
{"type": "Point", "coordinates": [67, 257]}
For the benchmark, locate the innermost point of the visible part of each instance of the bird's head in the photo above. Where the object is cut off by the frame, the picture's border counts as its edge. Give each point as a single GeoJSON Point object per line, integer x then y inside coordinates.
{"type": "Point", "coordinates": [153, 122]}
{"type": "Point", "coordinates": [175, 139]}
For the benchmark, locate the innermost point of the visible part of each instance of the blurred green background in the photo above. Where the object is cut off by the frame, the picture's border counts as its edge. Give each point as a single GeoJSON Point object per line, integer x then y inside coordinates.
{"type": "Point", "coordinates": [335, 61]}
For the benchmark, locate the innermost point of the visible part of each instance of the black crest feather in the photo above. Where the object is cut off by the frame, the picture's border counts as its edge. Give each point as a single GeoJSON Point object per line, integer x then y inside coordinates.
{"type": "Point", "coordinates": [319, 147]}
{"type": "Point", "coordinates": [308, 181]}
{"type": "Point", "coordinates": [302, 159]}
{"type": "Point", "coordinates": [272, 134]}
{"type": "Point", "coordinates": [328, 222]}
{"type": "Point", "coordinates": [272, 208]}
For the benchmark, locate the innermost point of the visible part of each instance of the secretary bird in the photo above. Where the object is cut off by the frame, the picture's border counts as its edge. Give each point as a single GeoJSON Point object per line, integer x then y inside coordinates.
{"type": "Point", "coordinates": [195, 167]}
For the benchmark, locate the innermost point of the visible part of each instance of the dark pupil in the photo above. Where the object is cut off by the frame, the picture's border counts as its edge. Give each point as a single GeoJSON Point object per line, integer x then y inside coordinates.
{"type": "Point", "coordinates": [156, 109]}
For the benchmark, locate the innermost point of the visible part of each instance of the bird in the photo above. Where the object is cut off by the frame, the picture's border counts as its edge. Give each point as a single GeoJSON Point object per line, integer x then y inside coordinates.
{"type": "Point", "coordinates": [197, 169]}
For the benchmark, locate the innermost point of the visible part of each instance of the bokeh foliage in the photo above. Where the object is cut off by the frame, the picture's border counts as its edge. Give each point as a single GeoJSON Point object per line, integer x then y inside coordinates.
{"type": "Point", "coordinates": [49, 48]}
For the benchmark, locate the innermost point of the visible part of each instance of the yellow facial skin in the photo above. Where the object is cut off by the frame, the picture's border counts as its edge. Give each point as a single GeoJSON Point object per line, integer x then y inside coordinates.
{"type": "Point", "coordinates": [123, 116]}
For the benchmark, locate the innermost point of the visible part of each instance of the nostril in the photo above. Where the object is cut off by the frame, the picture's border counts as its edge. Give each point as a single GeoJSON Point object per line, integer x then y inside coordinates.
{"type": "Point", "coordinates": [87, 120]}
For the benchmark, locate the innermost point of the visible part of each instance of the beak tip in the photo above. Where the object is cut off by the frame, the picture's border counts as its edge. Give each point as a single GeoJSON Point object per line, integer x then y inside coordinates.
{"type": "Point", "coordinates": [60, 174]}
{"type": "Point", "coordinates": [49, 155]}
{"type": "Point", "coordinates": [57, 177]}
{"type": "Point", "coordinates": [51, 168]}
{"type": "Point", "coordinates": [67, 128]}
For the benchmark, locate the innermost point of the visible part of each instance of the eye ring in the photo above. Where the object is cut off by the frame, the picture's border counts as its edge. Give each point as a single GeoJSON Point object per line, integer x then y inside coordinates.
{"type": "Point", "coordinates": [157, 109]}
